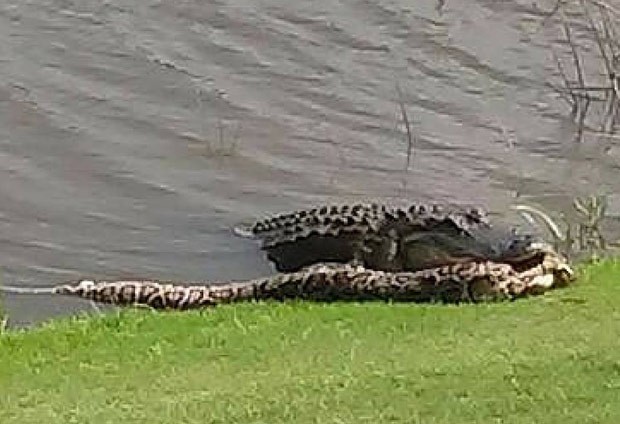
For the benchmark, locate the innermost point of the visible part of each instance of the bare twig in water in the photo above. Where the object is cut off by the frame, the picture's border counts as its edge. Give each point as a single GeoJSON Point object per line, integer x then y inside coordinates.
{"type": "Point", "coordinates": [581, 105]}
{"type": "Point", "coordinates": [577, 93]}
{"type": "Point", "coordinates": [572, 100]}
{"type": "Point", "coordinates": [440, 5]}
{"type": "Point", "coordinates": [607, 51]}
{"type": "Point", "coordinates": [611, 35]}
{"type": "Point", "coordinates": [227, 141]}
{"type": "Point", "coordinates": [603, 134]}
{"type": "Point", "coordinates": [606, 6]}
{"type": "Point", "coordinates": [578, 69]}
{"type": "Point", "coordinates": [553, 11]}
{"type": "Point", "coordinates": [581, 123]}
{"type": "Point", "coordinates": [407, 123]}
{"type": "Point", "coordinates": [227, 146]}
{"type": "Point", "coordinates": [509, 136]}
{"type": "Point", "coordinates": [597, 36]}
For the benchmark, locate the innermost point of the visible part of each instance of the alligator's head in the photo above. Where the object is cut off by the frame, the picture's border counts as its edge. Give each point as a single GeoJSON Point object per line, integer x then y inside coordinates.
{"type": "Point", "coordinates": [533, 258]}
{"type": "Point", "coordinates": [523, 252]}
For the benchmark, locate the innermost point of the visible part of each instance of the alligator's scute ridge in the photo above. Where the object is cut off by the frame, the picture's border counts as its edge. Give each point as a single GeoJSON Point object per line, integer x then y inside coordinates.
{"type": "Point", "coordinates": [356, 218]}
{"type": "Point", "coordinates": [369, 233]}
{"type": "Point", "coordinates": [464, 282]}
{"type": "Point", "coordinates": [288, 227]}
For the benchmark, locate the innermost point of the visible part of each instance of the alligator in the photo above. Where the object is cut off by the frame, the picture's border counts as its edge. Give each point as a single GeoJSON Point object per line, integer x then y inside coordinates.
{"type": "Point", "coordinates": [388, 238]}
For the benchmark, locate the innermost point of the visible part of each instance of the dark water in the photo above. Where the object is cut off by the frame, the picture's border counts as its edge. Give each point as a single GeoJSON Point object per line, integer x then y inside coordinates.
{"type": "Point", "coordinates": [134, 134]}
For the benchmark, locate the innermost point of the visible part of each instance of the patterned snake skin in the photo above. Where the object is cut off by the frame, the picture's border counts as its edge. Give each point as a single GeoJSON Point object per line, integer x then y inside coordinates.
{"type": "Point", "coordinates": [464, 282]}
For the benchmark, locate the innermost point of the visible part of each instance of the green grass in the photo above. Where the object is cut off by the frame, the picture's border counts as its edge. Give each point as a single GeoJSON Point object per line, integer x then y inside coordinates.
{"type": "Point", "coordinates": [551, 359]}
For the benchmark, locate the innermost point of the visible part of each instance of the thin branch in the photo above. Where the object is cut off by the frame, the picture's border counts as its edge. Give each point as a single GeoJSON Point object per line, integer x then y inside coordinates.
{"type": "Point", "coordinates": [573, 47]}
{"type": "Point", "coordinates": [592, 88]}
{"type": "Point", "coordinates": [440, 5]}
{"type": "Point", "coordinates": [558, 63]}
{"type": "Point", "coordinates": [603, 134]}
{"type": "Point", "coordinates": [609, 30]}
{"type": "Point", "coordinates": [583, 93]}
{"type": "Point", "coordinates": [582, 119]}
{"type": "Point", "coordinates": [567, 84]}
{"type": "Point", "coordinates": [612, 111]}
{"type": "Point", "coordinates": [562, 93]}
{"type": "Point", "coordinates": [552, 11]}
{"type": "Point", "coordinates": [606, 6]}
{"type": "Point", "coordinates": [405, 118]}
{"type": "Point", "coordinates": [597, 35]}
{"type": "Point", "coordinates": [615, 83]}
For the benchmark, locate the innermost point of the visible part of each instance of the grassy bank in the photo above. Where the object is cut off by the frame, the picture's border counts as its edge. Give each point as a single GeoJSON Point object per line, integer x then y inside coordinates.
{"type": "Point", "coordinates": [545, 360]}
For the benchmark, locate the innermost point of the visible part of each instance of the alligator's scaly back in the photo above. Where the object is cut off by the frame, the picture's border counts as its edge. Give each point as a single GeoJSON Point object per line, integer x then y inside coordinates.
{"type": "Point", "coordinates": [326, 234]}
{"type": "Point", "coordinates": [366, 232]}
{"type": "Point", "coordinates": [326, 220]}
